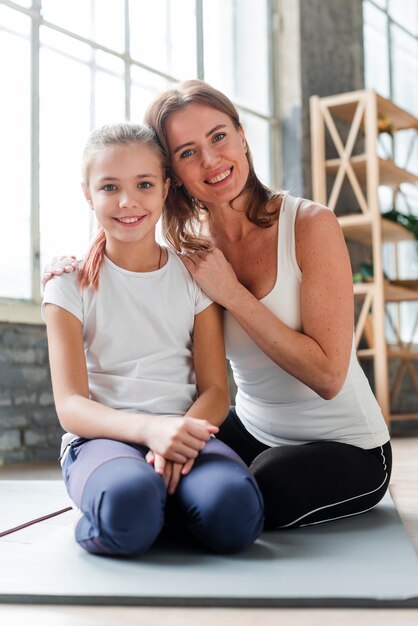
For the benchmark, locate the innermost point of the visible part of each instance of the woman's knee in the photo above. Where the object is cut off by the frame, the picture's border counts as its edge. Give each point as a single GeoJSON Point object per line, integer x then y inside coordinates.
{"type": "Point", "coordinates": [124, 502]}
{"type": "Point", "coordinates": [317, 482]}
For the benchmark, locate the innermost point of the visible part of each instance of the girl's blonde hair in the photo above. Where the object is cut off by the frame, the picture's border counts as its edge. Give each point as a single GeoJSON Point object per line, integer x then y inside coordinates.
{"type": "Point", "coordinates": [183, 217]}
{"type": "Point", "coordinates": [123, 133]}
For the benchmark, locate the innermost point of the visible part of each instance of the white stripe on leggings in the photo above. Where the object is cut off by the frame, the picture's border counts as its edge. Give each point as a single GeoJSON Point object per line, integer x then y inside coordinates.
{"type": "Point", "coordinates": [327, 506]}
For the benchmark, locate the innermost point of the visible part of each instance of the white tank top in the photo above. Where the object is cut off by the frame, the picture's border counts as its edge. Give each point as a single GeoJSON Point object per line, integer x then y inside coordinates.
{"type": "Point", "coordinates": [275, 407]}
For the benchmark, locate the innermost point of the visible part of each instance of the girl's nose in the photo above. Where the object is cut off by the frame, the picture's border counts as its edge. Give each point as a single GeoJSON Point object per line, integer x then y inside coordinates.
{"type": "Point", "coordinates": [127, 199]}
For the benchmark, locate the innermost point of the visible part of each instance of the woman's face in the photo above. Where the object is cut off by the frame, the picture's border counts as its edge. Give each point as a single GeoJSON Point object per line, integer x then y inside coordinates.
{"type": "Point", "coordinates": [208, 153]}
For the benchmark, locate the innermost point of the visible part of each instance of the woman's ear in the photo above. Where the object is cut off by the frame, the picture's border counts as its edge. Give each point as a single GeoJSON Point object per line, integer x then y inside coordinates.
{"type": "Point", "coordinates": [87, 195]}
{"type": "Point", "coordinates": [166, 187]}
{"type": "Point", "coordinates": [243, 138]}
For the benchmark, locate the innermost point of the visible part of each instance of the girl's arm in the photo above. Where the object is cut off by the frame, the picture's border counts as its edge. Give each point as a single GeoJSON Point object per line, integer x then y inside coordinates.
{"type": "Point", "coordinates": [319, 355]}
{"type": "Point", "coordinates": [177, 439]}
{"type": "Point", "coordinates": [212, 403]}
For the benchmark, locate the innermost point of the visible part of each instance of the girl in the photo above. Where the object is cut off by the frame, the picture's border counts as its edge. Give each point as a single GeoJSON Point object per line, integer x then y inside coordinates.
{"type": "Point", "coordinates": [138, 371]}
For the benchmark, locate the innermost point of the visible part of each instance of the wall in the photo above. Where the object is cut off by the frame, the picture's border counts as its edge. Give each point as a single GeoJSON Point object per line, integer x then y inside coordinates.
{"type": "Point", "coordinates": [29, 427]}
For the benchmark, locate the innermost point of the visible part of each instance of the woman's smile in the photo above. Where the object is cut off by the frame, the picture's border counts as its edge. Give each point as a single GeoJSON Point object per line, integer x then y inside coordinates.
{"type": "Point", "coordinates": [224, 176]}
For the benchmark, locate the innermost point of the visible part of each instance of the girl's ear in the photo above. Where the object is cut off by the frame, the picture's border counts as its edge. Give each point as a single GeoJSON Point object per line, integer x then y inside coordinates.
{"type": "Point", "coordinates": [87, 195]}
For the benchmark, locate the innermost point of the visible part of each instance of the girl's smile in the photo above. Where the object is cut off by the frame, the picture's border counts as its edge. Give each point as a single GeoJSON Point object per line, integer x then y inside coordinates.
{"type": "Point", "coordinates": [130, 221]}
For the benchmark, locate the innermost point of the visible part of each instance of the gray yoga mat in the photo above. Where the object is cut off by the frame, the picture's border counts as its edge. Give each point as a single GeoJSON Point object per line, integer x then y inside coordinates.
{"type": "Point", "coordinates": [23, 503]}
{"type": "Point", "coordinates": [362, 561]}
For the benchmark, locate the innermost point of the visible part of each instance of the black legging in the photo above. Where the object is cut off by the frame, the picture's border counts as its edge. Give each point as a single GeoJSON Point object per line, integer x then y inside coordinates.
{"type": "Point", "coordinates": [314, 482]}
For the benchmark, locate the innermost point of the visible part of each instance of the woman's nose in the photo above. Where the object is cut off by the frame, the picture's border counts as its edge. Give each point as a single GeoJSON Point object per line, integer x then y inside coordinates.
{"type": "Point", "coordinates": [209, 157]}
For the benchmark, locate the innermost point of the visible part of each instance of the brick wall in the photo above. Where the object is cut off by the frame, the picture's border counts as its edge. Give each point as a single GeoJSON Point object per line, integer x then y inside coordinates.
{"type": "Point", "coordinates": [29, 427]}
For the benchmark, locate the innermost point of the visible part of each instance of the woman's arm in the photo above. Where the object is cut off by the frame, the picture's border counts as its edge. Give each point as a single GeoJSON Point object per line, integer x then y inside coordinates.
{"type": "Point", "coordinates": [177, 439]}
{"type": "Point", "coordinates": [319, 355]}
{"type": "Point", "coordinates": [212, 403]}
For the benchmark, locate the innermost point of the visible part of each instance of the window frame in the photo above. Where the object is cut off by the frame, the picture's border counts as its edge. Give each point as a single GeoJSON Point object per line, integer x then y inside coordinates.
{"type": "Point", "coordinates": [27, 311]}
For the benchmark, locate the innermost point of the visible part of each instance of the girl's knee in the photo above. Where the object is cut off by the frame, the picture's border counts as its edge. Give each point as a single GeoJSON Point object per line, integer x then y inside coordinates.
{"type": "Point", "coordinates": [124, 510]}
{"type": "Point", "coordinates": [227, 515]}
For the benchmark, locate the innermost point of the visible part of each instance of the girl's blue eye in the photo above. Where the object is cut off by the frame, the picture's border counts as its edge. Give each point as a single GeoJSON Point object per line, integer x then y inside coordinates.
{"type": "Point", "coordinates": [109, 187]}
{"type": "Point", "coordinates": [218, 136]}
{"type": "Point", "coordinates": [186, 154]}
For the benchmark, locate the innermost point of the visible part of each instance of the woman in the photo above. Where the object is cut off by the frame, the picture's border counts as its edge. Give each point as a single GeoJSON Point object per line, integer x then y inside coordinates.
{"type": "Point", "coordinates": [305, 419]}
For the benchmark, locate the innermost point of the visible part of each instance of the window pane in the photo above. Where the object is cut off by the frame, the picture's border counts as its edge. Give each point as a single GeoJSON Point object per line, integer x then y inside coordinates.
{"type": "Point", "coordinates": [405, 12]}
{"type": "Point", "coordinates": [109, 79]}
{"type": "Point", "coordinates": [65, 82]}
{"type": "Point", "coordinates": [109, 23]}
{"type": "Point", "coordinates": [257, 132]}
{"type": "Point", "coordinates": [376, 49]}
{"type": "Point", "coordinates": [100, 20]}
{"type": "Point", "coordinates": [144, 87]}
{"type": "Point", "coordinates": [24, 3]}
{"type": "Point", "coordinates": [236, 50]}
{"type": "Point", "coordinates": [15, 246]}
{"type": "Point", "coordinates": [164, 36]}
{"type": "Point", "coordinates": [405, 69]}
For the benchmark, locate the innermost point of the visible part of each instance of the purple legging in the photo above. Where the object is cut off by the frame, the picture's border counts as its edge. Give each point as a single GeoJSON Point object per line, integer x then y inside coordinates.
{"type": "Point", "coordinates": [123, 500]}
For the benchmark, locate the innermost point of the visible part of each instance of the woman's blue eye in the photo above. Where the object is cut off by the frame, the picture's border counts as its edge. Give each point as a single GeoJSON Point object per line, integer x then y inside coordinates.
{"type": "Point", "coordinates": [186, 153]}
{"type": "Point", "coordinates": [144, 185]}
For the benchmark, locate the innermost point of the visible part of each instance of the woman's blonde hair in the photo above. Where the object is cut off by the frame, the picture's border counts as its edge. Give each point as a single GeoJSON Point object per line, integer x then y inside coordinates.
{"type": "Point", "coordinates": [119, 134]}
{"type": "Point", "coordinates": [184, 216]}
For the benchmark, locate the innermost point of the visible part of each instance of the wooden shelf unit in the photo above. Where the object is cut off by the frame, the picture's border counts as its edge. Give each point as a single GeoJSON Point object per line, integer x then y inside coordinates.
{"type": "Point", "coordinates": [364, 115]}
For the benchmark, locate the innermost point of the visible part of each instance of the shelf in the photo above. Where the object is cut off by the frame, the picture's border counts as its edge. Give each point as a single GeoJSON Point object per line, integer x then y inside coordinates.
{"type": "Point", "coordinates": [345, 109]}
{"type": "Point", "coordinates": [358, 227]}
{"type": "Point", "coordinates": [389, 173]}
{"type": "Point", "coordinates": [394, 292]}
{"type": "Point", "coordinates": [400, 292]}
{"type": "Point", "coordinates": [397, 417]}
{"type": "Point", "coordinates": [367, 115]}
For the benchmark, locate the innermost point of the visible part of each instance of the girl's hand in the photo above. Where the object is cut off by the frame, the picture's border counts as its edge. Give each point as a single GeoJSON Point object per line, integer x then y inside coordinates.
{"type": "Point", "coordinates": [178, 439]}
{"type": "Point", "coordinates": [57, 266]}
{"type": "Point", "coordinates": [171, 472]}
{"type": "Point", "coordinates": [213, 274]}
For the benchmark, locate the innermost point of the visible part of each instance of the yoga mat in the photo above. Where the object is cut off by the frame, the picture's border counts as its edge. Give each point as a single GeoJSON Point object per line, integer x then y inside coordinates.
{"type": "Point", "coordinates": [23, 503]}
{"type": "Point", "coordinates": [361, 561]}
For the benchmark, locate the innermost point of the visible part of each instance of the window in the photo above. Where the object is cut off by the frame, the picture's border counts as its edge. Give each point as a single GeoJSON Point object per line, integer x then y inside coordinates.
{"type": "Point", "coordinates": [70, 66]}
{"type": "Point", "coordinates": [391, 69]}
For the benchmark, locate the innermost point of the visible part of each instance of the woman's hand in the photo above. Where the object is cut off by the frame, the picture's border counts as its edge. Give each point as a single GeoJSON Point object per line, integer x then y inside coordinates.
{"type": "Point", "coordinates": [171, 472]}
{"type": "Point", "coordinates": [177, 439]}
{"type": "Point", "coordinates": [57, 266]}
{"type": "Point", "coordinates": [213, 274]}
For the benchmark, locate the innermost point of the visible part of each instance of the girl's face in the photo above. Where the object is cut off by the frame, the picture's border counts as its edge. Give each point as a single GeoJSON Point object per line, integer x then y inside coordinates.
{"type": "Point", "coordinates": [127, 192]}
{"type": "Point", "coordinates": [208, 153]}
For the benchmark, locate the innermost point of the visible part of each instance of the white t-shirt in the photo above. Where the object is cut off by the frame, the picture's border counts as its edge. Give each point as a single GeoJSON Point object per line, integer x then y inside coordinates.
{"type": "Point", "coordinates": [138, 335]}
{"type": "Point", "coordinates": [274, 406]}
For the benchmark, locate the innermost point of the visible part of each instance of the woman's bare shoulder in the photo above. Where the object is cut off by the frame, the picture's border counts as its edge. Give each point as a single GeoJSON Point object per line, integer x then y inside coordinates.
{"type": "Point", "coordinates": [316, 227]}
